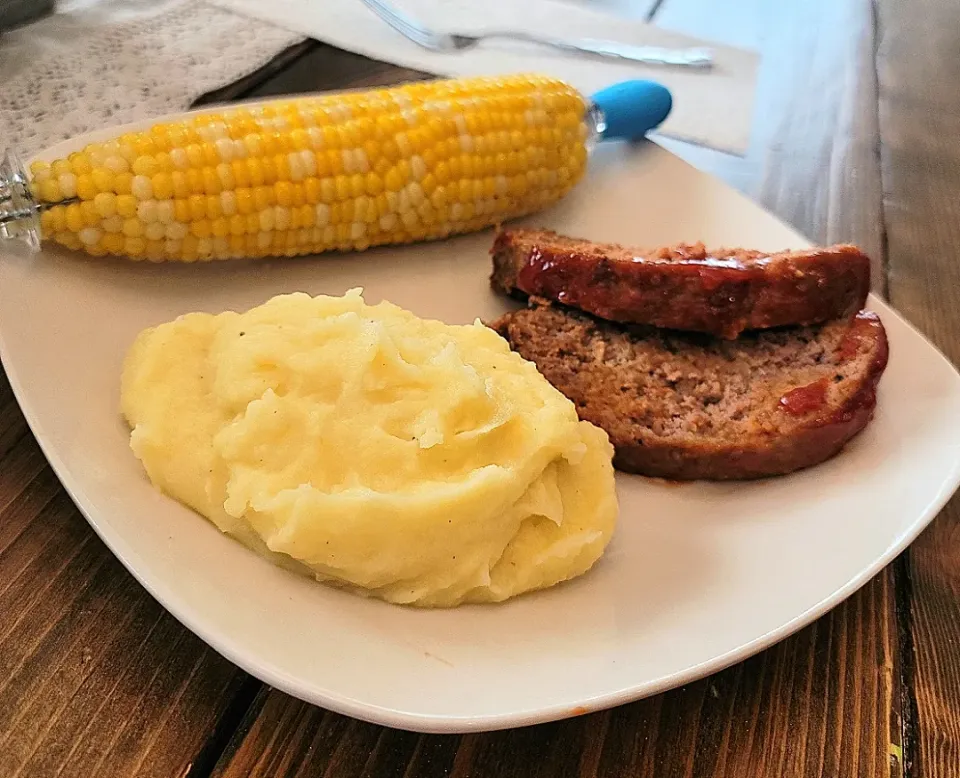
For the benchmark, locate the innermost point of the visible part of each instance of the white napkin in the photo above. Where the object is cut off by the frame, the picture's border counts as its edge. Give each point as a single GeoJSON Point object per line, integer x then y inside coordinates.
{"type": "Point", "coordinates": [711, 108]}
{"type": "Point", "coordinates": [97, 63]}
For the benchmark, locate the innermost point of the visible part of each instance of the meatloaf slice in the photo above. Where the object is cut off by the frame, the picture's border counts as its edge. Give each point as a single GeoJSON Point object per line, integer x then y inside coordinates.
{"type": "Point", "coordinates": [685, 287]}
{"type": "Point", "coordinates": [688, 406]}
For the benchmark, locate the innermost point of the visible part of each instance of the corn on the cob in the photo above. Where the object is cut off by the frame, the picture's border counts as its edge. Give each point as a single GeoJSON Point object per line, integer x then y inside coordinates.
{"type": "Point", "coordinates": [307, 175]}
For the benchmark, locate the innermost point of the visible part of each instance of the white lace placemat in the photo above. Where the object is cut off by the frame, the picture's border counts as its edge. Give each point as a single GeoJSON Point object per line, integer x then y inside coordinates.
{"type": "Point", "coordinates": [713, 109]}
{"type": "Point", "coordinates": [94, 64]}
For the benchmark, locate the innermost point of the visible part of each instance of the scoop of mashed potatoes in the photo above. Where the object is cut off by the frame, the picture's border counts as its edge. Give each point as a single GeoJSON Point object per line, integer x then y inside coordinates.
{"type": "Point", "coordinates": [406, 459]}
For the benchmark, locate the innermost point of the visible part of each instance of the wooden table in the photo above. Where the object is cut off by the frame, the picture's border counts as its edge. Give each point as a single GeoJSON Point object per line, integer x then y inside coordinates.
{"type": "Point", "coordinates": [856, 138]}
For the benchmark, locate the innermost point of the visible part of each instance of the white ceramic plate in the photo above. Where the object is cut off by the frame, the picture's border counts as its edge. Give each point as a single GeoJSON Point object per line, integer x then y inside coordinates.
{"type": "Point", "coordinates": [696, 578]}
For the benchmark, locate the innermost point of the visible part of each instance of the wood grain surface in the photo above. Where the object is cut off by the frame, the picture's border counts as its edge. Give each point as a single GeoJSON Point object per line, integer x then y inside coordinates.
{"type": "Point", "coordinates": [95, 677]}
{"type": "Point", "coordinates": [854, 139]}
{"type": "Point", "coordinates": [918, 70]}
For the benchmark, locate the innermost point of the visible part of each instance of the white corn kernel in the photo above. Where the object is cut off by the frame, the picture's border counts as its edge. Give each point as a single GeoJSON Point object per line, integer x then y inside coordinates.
{"type": "Point", "coordinates": [89, 236]}
{"type": "Point", "coordinates": [165, 211]}
{"type": "Point", "coordinates": [228, 203]}
{"type": "Point", "coordinates": [267, 220]}
{"type": "Point", "coordinates": [112, 224]}
{"type": "Point", "coordinates": [176, 231]}
{"type": "Point", "coordinates": [225, 149]}
{"type": "Point", "coordinates": [415, 193]}
{"type": "Point", "coordinates": [141, 188]}
{"type": "Point", "coordinates": [281, 217]}
{"type": "Point", "coordinates": [418, 167]}
{"type": "Point", "coordinates": [179, 159]}
{"type": "Point", "coordinates": [154, 231]}
{"type": "Point", "coordinates": [116, 164]}
{"type": "Point", "coordinates": [147, 211]}
{"type": "Point", "coordinates": [68, 184]}
{"type": "Point", "coordinates": [297, 171]}
{"type": "Point", "coordinates": [309, 161]}
{"type": "Point", "coordinates": [323, 214]}
{"type": "Point", "coordinates": [363, 163]}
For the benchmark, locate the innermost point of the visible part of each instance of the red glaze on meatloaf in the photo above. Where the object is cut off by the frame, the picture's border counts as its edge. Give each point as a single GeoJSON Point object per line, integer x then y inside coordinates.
{"type": "Point", "coordinates": [685, 287]}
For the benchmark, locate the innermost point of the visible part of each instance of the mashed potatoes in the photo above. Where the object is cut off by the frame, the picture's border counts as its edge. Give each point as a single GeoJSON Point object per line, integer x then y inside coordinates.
{"type": "Point", "coordinates": [407, 459]}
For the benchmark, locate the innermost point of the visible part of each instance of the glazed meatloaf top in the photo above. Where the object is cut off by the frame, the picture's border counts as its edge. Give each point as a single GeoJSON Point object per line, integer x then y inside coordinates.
{"type": "Point", "coordinates": [687, 406]}
{"type": "Point", "coordinates": [722, 292]}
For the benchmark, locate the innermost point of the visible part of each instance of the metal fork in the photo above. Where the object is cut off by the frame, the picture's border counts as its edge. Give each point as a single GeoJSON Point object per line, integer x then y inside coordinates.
{"type": "Point", "coordinates": [441, 41]}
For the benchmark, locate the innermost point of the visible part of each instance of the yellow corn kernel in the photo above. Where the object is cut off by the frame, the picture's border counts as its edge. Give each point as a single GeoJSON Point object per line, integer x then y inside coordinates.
{"type": "Point", "coordinates": [244, 201]}
{"type": "Point", "coordinates": [88, 212]}
{"type": "Point", "coordinates": [241, 172]}
{"type": "Point", "coordinates": [80, 163]}
{"type": "Point", "coordinates": [132, 228]}
{"type": "Point", "coordinates": [181, 211]}
{"type": "Point", "coordinates": [200, 228]}
{"type": "Point", "coordinates": [113, 242]}
{"type": "Point", "coordinates": [123, 183]}
{"type": "Point", "coordinates": [311, 190]}
{"type": "Point", "coordinates": [214, 208]}
{"type": "Point", "coordinates": [256, 170]}
{"type": "Point", "coordinates": [144, 166]}
{"type": "Point", "coordinates": [180, 184]}
{"type": "Point", "coordinates": [103, 179]}
{"type": "Point", "coordinates": [211, 181]}
{"type": "Point", "coordinates": [50, 191]}
{"type": "Point", "coordinates": [284, 193]}
{"type": "Point", "coordinates": [154, 250]}
{"type": "Point", "coordinates": [219, 228]}
{"type": "Point", "coordinates": [263, 197]}
{"type": "Point", "coordinates": [59, 167]}
{"type": "Point", "coordinates": [106, 204]}
{"type": "Point", "coordinates": [198, 207]}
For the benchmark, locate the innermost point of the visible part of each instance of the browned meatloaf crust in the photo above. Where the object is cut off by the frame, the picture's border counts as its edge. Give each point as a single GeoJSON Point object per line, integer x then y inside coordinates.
{"type": "Point", "coordinates": [686, 287]}
{"type": "Point", "coordinates": [688, 406]}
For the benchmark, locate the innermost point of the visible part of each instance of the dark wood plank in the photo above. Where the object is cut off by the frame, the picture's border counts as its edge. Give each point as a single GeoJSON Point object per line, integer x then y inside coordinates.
{"type": "Point", "coordinates": [918, 70]}
{"type": "Point", "coordinates": [313, 67]}
{"type": "Point", "coordinates": [95, 678]}
{"type": "Point", "coordinates": [816, 705]}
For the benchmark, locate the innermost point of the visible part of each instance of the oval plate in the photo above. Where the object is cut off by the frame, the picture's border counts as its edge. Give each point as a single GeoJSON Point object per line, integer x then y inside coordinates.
{"type": "Point", "coordinates": [697, 577]}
